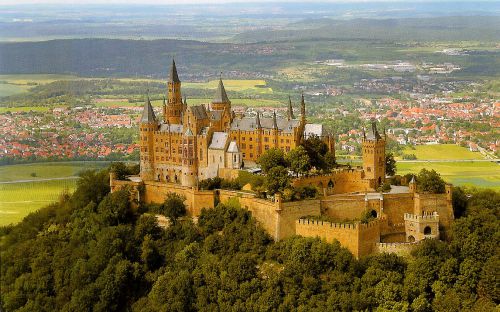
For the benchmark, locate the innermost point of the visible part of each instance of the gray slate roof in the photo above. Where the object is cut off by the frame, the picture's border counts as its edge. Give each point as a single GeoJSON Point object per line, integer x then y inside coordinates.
{"type": "Point", "coordinates": [173, 73]}
{"type": "Point", "coordinates": [218, 140]}
{"type": "Point", "coordinates": [220, 94]}
{"type": "Point", "coordinates": [373, 132]}
{"type": "Point", "coordinates": [250, 124]}
{"type": "Point", "coordinates": [148, 115]}
{"type": "Point", "coordinates": [199, 111]}
{"type": "Point", "coordinates": [174, 128]}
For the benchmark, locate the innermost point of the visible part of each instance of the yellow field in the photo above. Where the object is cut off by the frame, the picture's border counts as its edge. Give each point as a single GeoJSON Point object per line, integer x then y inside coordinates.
{"type": "Point", "coordinates": [442, 152]}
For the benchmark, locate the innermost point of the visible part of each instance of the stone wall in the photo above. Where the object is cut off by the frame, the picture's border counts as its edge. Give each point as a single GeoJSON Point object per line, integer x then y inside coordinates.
{"type": "Point", "coordinates": [156, 192]}
{"type": "Point", "coordinates": [264, 211]}
{"type": "Point", "coordinates": [358, 238]}
{"type": "Point", "coordinates": [401, 249]}
{"type": "Point", "coordinates": [290, 212]}
{"type": "Point", "coordinates": [338, 182]}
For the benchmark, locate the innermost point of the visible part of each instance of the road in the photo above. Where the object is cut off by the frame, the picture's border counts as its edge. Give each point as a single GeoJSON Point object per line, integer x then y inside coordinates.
{"type": "Point", "coordinates": [38, 180]}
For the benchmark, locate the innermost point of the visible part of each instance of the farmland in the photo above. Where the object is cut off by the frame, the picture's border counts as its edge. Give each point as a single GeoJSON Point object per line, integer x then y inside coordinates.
{"type": "Point", "coordinates": [22, 193]}
{"type": "Point", "coordinates": [478, 174]}
{"type": "Point", "coordinates": [442, 152]}
{"type": "Point", "coordinates": [19, 199]}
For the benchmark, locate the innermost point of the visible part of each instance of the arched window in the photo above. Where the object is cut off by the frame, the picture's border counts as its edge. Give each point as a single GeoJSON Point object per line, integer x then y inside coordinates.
{"type": "Point", "coordinates": [373, 213]}
{"type": "Point", "coordinates": [411, 239]}
{"type": "Point", "coordinates": [427, 230]}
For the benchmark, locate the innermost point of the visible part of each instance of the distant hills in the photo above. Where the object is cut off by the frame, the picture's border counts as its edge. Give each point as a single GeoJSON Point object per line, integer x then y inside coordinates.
{"type": "Point", "coordinates": [455, 28]}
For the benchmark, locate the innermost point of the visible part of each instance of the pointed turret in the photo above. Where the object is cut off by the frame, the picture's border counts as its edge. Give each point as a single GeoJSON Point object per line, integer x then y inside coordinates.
{"type": "Point", "coordinates": [303, 109]}
{"type": "Point", "coordinates": [220, 94]}
{"type": "Point", "coordinates": [373, 133]}
{"type": "Point", "coordinates": [185, 105]}
{"type": "Point", "coordinates": [148, 115]}
{"type": "Point", "coordinates": [174, 77]}
{"type": "Point", "coordinates": [257, 121]}
{"type": "Point", "coordinates": [164, 110]}
{"type": "Point", "coordinates": [290, 115]}
{"type": "Point", "coordinates": [275, 124]}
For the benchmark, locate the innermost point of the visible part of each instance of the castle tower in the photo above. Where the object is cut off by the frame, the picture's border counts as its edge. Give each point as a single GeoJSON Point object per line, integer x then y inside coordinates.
{"type": "Point", "coordinates": [175, 106]}
{"type": "Point", "coordinates": [289, 114]}
{"type": "Point", "coordinates": [148, 126]}
{"type": "Point", "coordinates": [189, 161]}
{"type": "Point", "coordinates": [374, 155]}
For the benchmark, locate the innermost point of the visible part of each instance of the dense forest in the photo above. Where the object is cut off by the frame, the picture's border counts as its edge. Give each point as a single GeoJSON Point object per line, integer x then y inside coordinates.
{"type": "Point", "coordinates": [91, 252]}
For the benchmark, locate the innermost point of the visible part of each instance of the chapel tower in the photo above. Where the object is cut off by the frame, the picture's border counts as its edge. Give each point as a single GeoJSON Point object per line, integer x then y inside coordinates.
{"type": "Point", "coordinates": [175, 107]}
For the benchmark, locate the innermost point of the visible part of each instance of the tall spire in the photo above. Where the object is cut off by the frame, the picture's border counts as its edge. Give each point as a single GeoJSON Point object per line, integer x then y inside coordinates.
{"type": "Point", "coordinates": [220, 94]}
{"type": "Point", "coordinates": [290, 109]}
{"type": "Point", "coordinates": [164, 110]}
{"type": "Point", "coordinates": [148, 115]}
{"type": "Point", "coordinates": [303, 109]}
{"type": "Point", "coordinates": [275, 124]}
{"type": "Point", "coordinates": [173, 73]}
{"type": "Point", "coordinates": [257, 121]}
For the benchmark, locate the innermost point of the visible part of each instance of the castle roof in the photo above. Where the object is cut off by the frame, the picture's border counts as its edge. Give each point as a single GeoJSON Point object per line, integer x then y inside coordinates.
{"type": "Point", "coordinates": [199, 111]}
{"type": "Point", "coordinates": [233, 147]}
{"type": "Point", "coordinates": [218, 140]}
{"type": "Point", "coordinates": [220, 95]}
{"type": "Point", "coordinates": [251, 123]}
{"type": "Point", "coordinates": [373, 132]}
{"type": "Point", "coordinates": [148, 115]}
{"type": "Point", "coordinates": [313, 129]}
{"type": "Point", "coordinates": [175, 128]}
{"type": "Point", "coordinates": [173, 73]}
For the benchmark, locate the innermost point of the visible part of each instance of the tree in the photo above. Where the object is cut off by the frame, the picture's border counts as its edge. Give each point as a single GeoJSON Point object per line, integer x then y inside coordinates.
{"type": "Point", "coordinates": [273, 157]}
{"type": "Point", "coordinates": [173, 207]}
{"type": "Point", "coordinates": [429, 181]}
{"type": "Point", "coordinates": [316, 149]}
{"type": "Point", "coordinates": [390, 164]}
{"type": "Point", "coordinates": [277, 180]}
{"type": "Point", "coordinates": [299, 160]}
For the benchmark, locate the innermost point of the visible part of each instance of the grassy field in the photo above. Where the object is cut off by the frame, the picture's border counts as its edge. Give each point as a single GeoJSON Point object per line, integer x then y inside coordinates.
{"type": "Point", "coordinates": [47, 170]}
{"type": "Point", "coordinates": [442, 152]}
{"type": "Point", "coordinates": [479, 174]}
{"type": "Point", "coordinates": [19, 199]}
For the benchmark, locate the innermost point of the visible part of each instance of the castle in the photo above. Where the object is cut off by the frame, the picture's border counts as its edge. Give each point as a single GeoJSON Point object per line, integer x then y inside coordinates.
{"type": "Point", "coordinates": [192, 143]}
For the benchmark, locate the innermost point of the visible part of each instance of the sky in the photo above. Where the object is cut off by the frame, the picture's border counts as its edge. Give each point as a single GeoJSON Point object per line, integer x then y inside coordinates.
{"type": "Point", "coordinates": [66, 2]}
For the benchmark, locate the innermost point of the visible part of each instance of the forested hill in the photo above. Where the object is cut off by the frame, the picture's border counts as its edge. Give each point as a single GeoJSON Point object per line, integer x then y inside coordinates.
{"type": "Point", "coordinates": [458, 28]}
{"type": "Point", "coordinates": [89, 252]}
{"type": "Point", "coordinates": [98, 57]}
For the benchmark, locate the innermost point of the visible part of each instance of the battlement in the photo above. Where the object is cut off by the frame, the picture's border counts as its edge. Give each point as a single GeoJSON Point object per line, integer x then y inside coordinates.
{"type": "Point", "coordinates": [425, 217]}
{"type": "Point", "coordinates": [401, 249]}
{"type": "Point", "coordinates": [312, 222]}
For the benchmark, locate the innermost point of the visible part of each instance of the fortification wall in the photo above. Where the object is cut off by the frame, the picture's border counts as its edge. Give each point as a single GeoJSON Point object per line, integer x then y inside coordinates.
{"type": "Point", "coordinates": [346, 233]}
{"type": "Point", "coordinates": [428, 203]}
{"type": "Point", "coordinates": [401, 249]}
{"type": "Point", "coordinates": [156, 192]}
{"type": "Point", "coordinates": [343, 181]}
{"type": "Point", "coordinates": [264, 211]}
{"type": "Point", "coordinates": [343, 206]}
{"type": "Point", "coordinates": [396, 205]}
{"type": "Point", "coordinates": [290, 212]}
{"type": "Point", "coordinates": [369, 235]}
